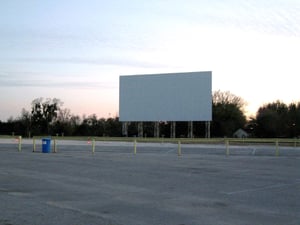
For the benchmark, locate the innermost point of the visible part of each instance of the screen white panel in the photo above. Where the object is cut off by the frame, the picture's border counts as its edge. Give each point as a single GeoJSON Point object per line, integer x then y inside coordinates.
{"type": "Point", "coordinates": [166, 97]}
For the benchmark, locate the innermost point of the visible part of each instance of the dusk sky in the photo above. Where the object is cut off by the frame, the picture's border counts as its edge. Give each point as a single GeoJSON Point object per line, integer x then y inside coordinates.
{"type": "Point", "coordinates": [76, 50]}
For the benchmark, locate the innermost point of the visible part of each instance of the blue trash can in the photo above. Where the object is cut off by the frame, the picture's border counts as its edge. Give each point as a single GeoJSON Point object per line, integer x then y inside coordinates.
{"type": "Point", "coordinates": [46, 145]}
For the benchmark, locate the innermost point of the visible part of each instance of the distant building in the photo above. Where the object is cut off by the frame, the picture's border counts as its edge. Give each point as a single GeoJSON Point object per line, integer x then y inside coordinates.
{"type": "Point", "coordinates": [240, 133]}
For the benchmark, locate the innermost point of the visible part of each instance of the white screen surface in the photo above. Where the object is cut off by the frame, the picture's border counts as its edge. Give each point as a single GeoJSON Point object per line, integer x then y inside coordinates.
{"type": "Point", "coordinates": [166, 97]}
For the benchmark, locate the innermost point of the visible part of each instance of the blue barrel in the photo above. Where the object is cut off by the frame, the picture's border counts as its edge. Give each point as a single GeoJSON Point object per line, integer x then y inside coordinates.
{"type": "Point", "coordinates": [46, 145]}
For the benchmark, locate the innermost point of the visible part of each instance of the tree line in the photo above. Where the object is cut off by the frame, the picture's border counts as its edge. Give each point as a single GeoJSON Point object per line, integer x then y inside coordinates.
{"type": "Point", "coordinates": [48, 117]}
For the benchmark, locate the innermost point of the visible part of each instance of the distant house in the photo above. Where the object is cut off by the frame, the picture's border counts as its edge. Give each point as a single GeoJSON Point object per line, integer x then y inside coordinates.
{"type": "Point", "coordinates": [240, 133]}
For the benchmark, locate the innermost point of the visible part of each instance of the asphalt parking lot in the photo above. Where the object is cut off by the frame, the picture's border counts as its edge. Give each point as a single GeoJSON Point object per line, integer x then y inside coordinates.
{"type": "Point", "coordinates": [114, 186]}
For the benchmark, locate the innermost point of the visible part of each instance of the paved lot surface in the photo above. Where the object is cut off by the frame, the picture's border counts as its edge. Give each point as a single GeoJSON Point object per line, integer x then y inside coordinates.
{"type": "Point", "coordinates": [113, 186]}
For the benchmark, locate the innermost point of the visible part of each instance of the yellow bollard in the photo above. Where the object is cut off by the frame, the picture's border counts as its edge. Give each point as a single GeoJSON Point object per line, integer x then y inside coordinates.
{"type": "Point", "coordinates": [134, 147]}
{"type": "Point", "coordinates": [277, 148]}
{"type": "Point", "coordinates": [227, 148]}
{"type": "Point", "coordinates": [54, 146]}
{"type": "Point", "coordinates": [93, 146]}
{"type": "Point", "coordinates": [33, 142]}
{"type": "Point", "coordinates": [20, 143]}
{"type": "Point", "coordinates": [179, 148]}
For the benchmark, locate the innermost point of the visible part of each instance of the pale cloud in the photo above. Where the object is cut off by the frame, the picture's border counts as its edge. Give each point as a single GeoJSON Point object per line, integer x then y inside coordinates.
{"type": "Point", "coordinates": [266, 16]}
{"type": "Point", "coordinates": [101, 61]}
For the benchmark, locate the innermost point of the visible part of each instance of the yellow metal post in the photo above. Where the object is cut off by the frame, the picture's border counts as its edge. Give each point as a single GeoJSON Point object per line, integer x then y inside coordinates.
{"type": "Point", "coordinates": [54, 146]}
{"type": "Point", "coordinates": [93, 145]}
{"type": "Point", "coordinates": [33, 142]}
{"type": "Point", "coordinates": [227, 148]}
{"type": "Point", "coordinates": [277, 148]}
{"type": "Point", "coordinates": [20, 143]}
{"type": "Point", "coordinates": [179, 148]}
{"type": "Point", "coordinates": [134, 147]}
